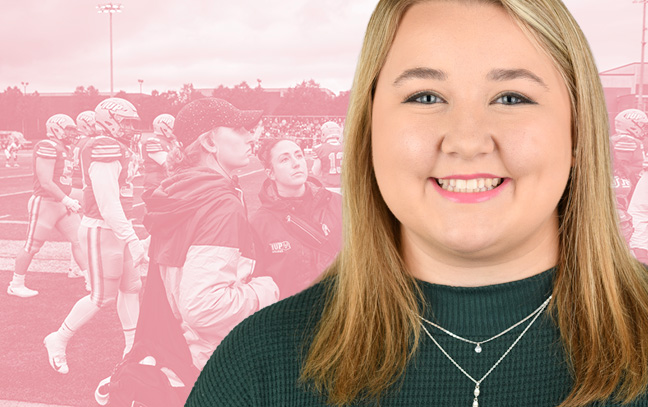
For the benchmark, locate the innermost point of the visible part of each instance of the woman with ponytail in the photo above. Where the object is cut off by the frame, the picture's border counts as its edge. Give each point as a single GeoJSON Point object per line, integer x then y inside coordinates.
{"type": "Point", "coordinates": [200, 236]}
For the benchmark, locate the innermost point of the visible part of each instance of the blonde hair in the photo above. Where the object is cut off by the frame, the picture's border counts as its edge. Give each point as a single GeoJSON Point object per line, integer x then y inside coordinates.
{"type": "Point", "coordinates": [180, 158]}
{"type": "Point", "coordinates": [369, 329]}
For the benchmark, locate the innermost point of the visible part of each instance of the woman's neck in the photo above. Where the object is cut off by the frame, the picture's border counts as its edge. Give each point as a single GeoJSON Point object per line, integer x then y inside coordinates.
{"type": "Point", "coordinates": [290, 191]}
{"type": "Point", "coordinates": [209, 160]}
{"type": "Point", "coordinates": [472, 270]}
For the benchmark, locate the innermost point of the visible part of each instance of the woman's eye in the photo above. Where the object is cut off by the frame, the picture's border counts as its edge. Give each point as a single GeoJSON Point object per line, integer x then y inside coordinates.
{"type": "Point", "coordinates": [424, 98]}
{"type": "Point", "coordinates": [513, 99]}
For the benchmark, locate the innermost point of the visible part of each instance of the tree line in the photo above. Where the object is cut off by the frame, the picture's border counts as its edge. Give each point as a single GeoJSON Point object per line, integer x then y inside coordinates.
{"type": "Point", "coordinates": [27, 113]}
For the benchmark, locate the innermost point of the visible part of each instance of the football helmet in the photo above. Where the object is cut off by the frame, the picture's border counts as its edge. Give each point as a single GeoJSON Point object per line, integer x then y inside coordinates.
{"type": "Point", "coordinates": [163, 125]}
{"type": "Point", "coordinates": [331, 130]}
{"type": "Point", "coordinates": [631, 121]}
{"type": "Point", "coordinates": [86, 123]}
{"type": "Point", "coordinates": [62, 127]}
{"type": "Point", "coordinates": [116, 117]}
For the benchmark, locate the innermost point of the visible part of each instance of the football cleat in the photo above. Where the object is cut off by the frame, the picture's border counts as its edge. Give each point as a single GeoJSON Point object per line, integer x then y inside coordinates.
{"type": "Point", "coordinates": [102, 392]}
{"type": "Point", "coordinates": [21, 291]}
{"type": "Point", "coordinates": [56, 353]}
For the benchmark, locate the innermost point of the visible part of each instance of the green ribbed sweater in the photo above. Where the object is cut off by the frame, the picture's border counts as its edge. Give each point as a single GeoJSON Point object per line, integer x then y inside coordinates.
{"type": "Point", "coordinates": [258, 364]}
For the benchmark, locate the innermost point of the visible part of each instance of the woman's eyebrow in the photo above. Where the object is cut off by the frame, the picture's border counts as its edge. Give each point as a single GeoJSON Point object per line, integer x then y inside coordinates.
{"type": "Point", "coordinates": [510, 74]}
{"type": "Point", "coordinates": [494, 75]}
{"type": "Point", "coordinates": [421, 73]}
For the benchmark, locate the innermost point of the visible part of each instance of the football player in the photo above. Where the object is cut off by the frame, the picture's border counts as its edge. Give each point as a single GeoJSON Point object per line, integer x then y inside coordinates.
{"type": "Point", "coordinates": [328, 164]}
{"type": "Point", "coordinates": [50, 205]}
{"type": "Point", "coordinates": [85, 122]}
{"type": "Point", "coordinates": [155, 150]}
{"type": "Point", "coordinates": [113, 248]}
{"type": "Point", "coordinates": [11, 150]}
{"type": "Point", "coordinates": [630, 127]}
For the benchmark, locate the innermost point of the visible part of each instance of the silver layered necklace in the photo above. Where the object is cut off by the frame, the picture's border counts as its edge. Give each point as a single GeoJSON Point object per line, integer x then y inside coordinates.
{"type": "Point", "coordinates": [534, 315]}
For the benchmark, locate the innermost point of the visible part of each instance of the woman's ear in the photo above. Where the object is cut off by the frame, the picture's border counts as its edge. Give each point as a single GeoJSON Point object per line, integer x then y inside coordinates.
{"type": "Point", "coordinates": [270, 173]}
{"type": "Point", "coordinates": [208, 141]}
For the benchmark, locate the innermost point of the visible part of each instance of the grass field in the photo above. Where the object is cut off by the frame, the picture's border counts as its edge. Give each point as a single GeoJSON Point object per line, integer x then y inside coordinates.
{"type": "Point", "coordinates": [25, 374]}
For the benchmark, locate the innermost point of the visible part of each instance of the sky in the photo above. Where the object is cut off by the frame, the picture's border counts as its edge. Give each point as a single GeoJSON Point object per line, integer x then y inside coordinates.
{"type": "Point", "coordinates": [57, 45]}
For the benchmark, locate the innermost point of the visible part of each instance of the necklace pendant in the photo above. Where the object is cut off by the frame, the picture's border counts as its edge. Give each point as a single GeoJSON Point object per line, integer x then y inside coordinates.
{"type": "Point", "coordinates": [478, 348]}
{"type": "Point", "coordinates": [476, 393]}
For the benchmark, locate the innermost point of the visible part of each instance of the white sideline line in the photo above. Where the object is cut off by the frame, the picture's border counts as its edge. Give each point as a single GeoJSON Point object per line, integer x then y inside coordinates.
{"type": "Point", "coordinates": [12, 403]}
{"type": "Point", "coordinates": [24, 222]}
{"type": "Point", "coordinates": [16, 193]}
{"type": "Point", "coordinates": [4, 216]}
{"type": "Point", "coordinates": [17, 176]}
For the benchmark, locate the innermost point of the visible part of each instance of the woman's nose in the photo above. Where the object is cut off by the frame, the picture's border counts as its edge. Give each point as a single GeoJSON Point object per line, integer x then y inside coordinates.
{"type": "Point", "coordinates": [468, 133]}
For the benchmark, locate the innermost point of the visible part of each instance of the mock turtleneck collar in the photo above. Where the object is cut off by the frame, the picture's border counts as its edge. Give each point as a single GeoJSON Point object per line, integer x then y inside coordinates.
{"type": "Point", "coordinates": [487, 310]}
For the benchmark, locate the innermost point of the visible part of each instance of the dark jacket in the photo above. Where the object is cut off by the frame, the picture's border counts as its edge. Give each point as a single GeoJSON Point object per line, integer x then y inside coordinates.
{"type": "Point", "coordinates": [203, 243]}
{"type": "Point", "coordinates": [298, 237]}
{"type": "Point", "coordinates": [197, 206]}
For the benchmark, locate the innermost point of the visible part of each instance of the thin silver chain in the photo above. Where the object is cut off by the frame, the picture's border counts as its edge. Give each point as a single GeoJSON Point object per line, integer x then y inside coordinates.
{"type": "Point", "coordinates": [478, 382]}
{"type": "Point", "coordinates": [537, 310]}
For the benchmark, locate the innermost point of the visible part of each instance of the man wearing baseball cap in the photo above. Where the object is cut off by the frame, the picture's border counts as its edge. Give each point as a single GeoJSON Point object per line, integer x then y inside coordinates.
{"type": "Point", "coordinates": [328, 164]}
{"type": "Point", "coordinates": [201, 241]}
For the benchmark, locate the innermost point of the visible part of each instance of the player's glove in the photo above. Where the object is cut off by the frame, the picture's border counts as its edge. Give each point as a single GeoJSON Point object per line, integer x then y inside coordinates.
{"type": "Point", "coordinates": [137, 252]}
{"type": "Point", "coordinates": [71, 204]}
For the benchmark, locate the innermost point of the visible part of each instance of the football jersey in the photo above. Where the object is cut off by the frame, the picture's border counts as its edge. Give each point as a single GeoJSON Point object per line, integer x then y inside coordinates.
{"type": "Point", "coordinates": [154, 173]}
{"type": "Point", "coordinates": [53, 150]}
{"type": "Point", "coordinates": [107, 150]}
{"type": "Point", "coordinates": [330, 155]}
{"type": "Point", "coordinates": [77, 179]}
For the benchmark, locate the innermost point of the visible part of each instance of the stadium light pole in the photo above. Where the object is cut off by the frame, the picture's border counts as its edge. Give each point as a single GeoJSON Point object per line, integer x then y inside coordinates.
{"type": "Point", "coordinates": [141, 81]}
{"type": "Point", "coordinates": [643, 46]}
{"type": "Point", "coordinates": [111, 9]}
{"type": "Point", "coordinates": [24, 85]}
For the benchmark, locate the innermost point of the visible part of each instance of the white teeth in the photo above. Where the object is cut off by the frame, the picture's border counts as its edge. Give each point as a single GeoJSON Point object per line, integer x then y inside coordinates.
{"type": "Point", "coordinates": [470, 185]}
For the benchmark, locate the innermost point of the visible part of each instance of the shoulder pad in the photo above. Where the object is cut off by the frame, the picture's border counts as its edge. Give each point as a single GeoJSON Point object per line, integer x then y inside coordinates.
{"type": "Point", "coordinates": [153, 145]}
{"type": "Point", "coordinates": [105, 149]}
{"type": "Point", "coordinates": [46, 149]}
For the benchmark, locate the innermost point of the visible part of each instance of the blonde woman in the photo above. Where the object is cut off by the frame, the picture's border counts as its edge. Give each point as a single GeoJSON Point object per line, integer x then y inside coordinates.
{"type": "Point", "coordinates": [482, 262]}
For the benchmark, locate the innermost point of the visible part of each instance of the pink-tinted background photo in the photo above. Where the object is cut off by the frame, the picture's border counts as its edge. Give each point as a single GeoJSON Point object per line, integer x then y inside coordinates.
{"type": "Point", "coordinates": [292, 59]}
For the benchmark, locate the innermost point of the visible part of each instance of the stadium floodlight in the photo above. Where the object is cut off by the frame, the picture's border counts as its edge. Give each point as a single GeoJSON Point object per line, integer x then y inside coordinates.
{"type": "Point", "coordinates": [141, 81]}
{"type": "Point", "coordinates": [643, 46]}
{"type": "Point", "coordinates": [24, 84]}
{"type": "Point", "coordinates": [111, 9]}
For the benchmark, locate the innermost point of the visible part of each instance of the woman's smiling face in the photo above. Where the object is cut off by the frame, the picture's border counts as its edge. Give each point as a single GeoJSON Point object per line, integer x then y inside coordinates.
{"type": "Point", "coordinates": [471, 134]}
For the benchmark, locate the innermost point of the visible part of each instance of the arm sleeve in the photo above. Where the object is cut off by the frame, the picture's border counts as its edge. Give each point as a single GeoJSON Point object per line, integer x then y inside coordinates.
{"type": "Point", "coordinates": [106, 175]}
{"type": "Point", "coordinates": [216, 291]}
{"type": "Point", "coordinates": [638, 209]}
{"type": "Point", "coordinates": [229, 377]}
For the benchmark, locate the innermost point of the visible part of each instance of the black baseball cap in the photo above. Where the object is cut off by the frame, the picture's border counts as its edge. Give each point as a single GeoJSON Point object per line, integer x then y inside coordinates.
{"type": "Point", "coordinates": [203, 115]}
